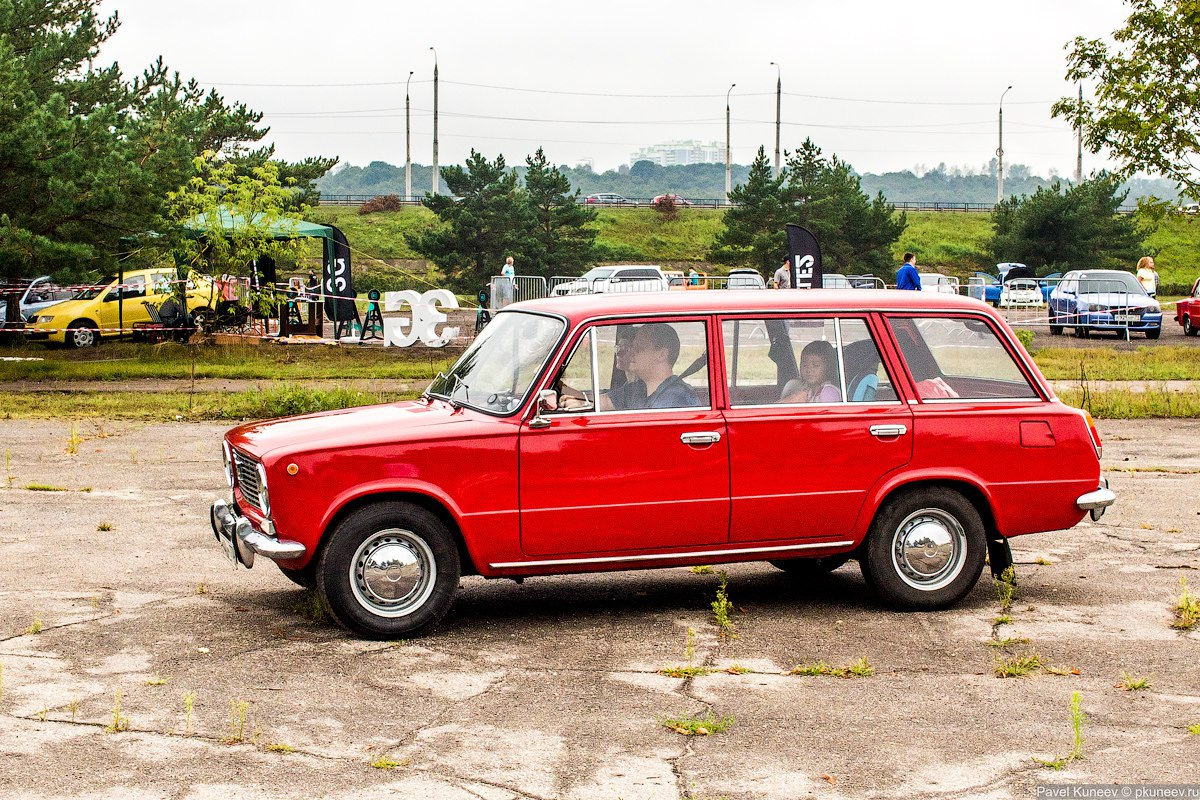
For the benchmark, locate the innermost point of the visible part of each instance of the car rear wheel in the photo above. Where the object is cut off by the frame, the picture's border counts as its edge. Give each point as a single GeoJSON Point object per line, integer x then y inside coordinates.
{"type": "Point", "coordinates": [82, 333]}
{"type": "Point", "coordinates": [925, 549]}
{"type": "Point", "coordinates": [1055, 330]}
{"type": "Point", "coordinates": [389, 570]}
{"type": "Point", "coordinates": [1188, 328]}
{"type": "Point", "coordinates": [810, 568]}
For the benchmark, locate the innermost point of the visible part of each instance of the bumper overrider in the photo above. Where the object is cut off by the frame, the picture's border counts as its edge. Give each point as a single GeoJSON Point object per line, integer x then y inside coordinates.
{"type": "Point", "coordinates": [240, 541]}
{"type": "Point", "coordinates": [1098, 501]}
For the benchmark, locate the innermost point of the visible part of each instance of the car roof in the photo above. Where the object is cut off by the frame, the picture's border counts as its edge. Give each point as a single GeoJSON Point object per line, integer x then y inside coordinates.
{"type": "Point", "coordinates": [709, 301]}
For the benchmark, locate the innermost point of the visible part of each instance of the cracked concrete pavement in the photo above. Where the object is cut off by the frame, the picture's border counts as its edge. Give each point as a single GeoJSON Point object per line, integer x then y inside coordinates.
{"type": "Point", "coordinates": [551, 689]}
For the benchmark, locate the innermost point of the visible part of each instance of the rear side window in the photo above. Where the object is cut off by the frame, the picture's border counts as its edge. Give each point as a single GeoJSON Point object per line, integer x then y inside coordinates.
{"type": "Point", "coordinates": [958, 358]}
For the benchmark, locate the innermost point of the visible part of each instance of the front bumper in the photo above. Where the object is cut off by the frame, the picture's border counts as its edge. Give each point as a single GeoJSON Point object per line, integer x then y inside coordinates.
{"type": "Point", "coordinates": [1106, 321]}
{"type": "Point", "coordinates": [241, 541]}
{"type": "Point", "coordinates": [1098, 501]}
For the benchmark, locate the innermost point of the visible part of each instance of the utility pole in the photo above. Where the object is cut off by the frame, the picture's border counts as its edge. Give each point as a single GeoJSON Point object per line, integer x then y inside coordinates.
{"type": "Point", "coordinates": [407, 143]}
{"type": "Point", "coordinates": [778, 111]}
{"type": "Point", "coordinates": [728, 150]}
{"type": "Point", "coordinates": [1000, 154]}
{"type": "Point", "coordinates": [1079, 144]}
{"type": "Point", "coordinates": [435, 121]}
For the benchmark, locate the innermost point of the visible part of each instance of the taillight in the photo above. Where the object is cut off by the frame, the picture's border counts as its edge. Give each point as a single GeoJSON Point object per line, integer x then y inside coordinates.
{"type": "Point", "coordinates": [1091, 423]}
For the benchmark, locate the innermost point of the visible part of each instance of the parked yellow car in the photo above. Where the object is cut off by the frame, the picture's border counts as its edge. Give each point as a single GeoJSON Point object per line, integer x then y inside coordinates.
{"type": "Point", "coordinates": [95, 312]}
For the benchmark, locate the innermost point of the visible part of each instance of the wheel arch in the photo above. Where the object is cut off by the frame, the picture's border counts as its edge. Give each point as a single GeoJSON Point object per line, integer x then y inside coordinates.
{"type": "Point", "coordinates": [974, 494]}
{"type": "Point", "coordinates": [431, 504]}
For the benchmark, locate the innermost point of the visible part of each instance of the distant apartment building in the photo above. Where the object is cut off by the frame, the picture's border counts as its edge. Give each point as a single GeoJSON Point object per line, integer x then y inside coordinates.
{"type": "Point", "coordinates": [688, 152]}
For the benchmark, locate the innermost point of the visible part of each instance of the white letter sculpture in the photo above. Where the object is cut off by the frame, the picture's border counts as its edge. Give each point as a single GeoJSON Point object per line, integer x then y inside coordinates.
{"type": "Point", "coordinates": [425, 318]}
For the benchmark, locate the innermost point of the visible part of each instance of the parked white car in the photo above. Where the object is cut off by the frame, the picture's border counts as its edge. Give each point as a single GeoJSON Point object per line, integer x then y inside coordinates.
{"type": "Point", "coordinates": [935, 282]}
{"type": "Point", "coordinates": [40, 293]}
{"type": "Point", "coordinates": [623, 278]}
{"type": "Point", "coordinates": [1021, 292]}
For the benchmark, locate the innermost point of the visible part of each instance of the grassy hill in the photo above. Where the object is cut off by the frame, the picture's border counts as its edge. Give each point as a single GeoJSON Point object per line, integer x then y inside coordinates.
{"type": "Point", "coordinates": [955, 243]}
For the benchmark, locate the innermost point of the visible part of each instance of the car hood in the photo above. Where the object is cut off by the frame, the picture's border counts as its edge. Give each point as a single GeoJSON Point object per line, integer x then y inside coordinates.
{"type": "Point", "coordinates": [1124, 299]}
{"type": "Point", "coordinates": [65, 308]}
{"type": "Point", "coordinates": [354, 427]}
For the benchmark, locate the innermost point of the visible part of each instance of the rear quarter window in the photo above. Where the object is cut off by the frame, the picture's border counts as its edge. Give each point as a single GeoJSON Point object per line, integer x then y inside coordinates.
{"type": "Point", "coordinates": [963, 358]}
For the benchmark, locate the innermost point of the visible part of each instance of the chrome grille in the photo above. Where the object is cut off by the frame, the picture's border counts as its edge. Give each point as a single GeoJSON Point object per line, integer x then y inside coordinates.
{"type": "Point", "coordinates": [247, 479]}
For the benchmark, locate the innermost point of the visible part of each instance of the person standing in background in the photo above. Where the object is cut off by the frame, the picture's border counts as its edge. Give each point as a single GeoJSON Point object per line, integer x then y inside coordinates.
{"type": "Point", "coordinates": [508, 270]}
{"type": "Point", "coordinates": [907, 276]}
{"type": "Point", "coordinates": [783, 276]}
{"type": "Point", "coordinates": [1147, 275]}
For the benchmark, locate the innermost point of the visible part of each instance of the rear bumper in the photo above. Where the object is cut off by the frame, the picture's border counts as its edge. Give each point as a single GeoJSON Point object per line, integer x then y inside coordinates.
{"type": "Point", "coordinates": [241, 542]}
{"type": "Point", "coordinates": [1098, 501]}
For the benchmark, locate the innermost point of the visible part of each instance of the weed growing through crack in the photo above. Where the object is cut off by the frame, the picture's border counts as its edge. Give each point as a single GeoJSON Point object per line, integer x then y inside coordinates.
{"type": "Point", "coordinates": [1187, 608]}
{"type": "Point", "coordinates": [309, 606]}
{"type": "Point", "coordinates": [387, 762]}
{"type": "Point", "coordinates": [157, 680]}
{"type": "Point", "coordinates": [104, 527]}
{"type": "Point", "coordinates": [692, 725]}
{"type": "Point", "coordinates": [42, 714]}
{"type": "Point", "coordinates": [74, 707]}
{"type": "Point", "coordinates": [86, 489]}
{"type": "Point", "coordinates": [44, 487]}
{"type": "Point", "coordinates": [1042, 561]}
{"type": "Point", "coordinates": [858, 669]}
{"type": "Point", "coordinates": [701, 569]}
{"type": "Point", "coordinates": [278, 747]}
{"type": "Point", "coordinates": [74, 440]}
{"type": "Point", "coordinates": [1018, 666]}
{"type": "Point", "coordinates": [8, 476]}
{"type": "Point", "coordinates": [133, 455]}
{"type": "Point", "coordinates": [201, 588]}
{"type": "Point", "coordinates": [119, 722]}
{"type": "Point", "coordinates": [1003, 619]}
{"type": "Point", "coordinates": [1194, 730]}
{"type": "Point", "coordinates": [722, 608]}
{"type": "Point", "coordinates": [35, 627]}
{"type": "Point", "coordinates": [1132, 683]}
{"type": "Point", "coordinates": [1008, 641]}
{"type": "Point", "coordinates": [1077, 717]}
{"type": "Point", "coordinates": [686, 671]}
{"type": "Point", "coordinates": [737, 669]}
{"type": "Point", "coordinates": [1006, 589]}
{"type": "Point", "coordinates": [689, 648]}
{"type": "Point", "coordinates": [189, 703]}
{"type": "Point", "coordinates": [237, 720]}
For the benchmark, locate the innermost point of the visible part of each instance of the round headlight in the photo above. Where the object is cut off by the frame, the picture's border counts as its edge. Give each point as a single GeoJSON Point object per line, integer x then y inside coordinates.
{"type": "Point", "coordinates": [263, 494]}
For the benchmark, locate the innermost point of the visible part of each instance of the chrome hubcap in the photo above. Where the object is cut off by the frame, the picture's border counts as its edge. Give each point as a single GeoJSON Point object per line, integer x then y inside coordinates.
{"type": "Point", "coordinates": [929, 549]}
{"type": "Point", "coordinates": [393, 573]}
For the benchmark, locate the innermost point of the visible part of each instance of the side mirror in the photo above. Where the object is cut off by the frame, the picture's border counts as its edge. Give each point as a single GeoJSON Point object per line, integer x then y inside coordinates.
{"type": "Point", "coordinates": [547, 400]}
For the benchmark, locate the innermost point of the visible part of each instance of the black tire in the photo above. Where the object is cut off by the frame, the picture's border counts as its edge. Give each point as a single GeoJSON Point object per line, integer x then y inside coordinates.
{"type": "Point", "coordinates": [810, 568]}
{"type": "Point", "coordinates": [82, 333]}
{"type": "Point", "coordinates": [202, 320]}
{"type": "Point", "coordinates": [1055, 330]}
{"type": "Point", "coordinates": [1188, 328]}
{"type": "Point", "coordinates": [305, 576]}
{"type": "Point", "coordinates": [1153, 333]}
{"type": "Point", "coordinates": [1082, 331]}
{"type": "Point", "coordinates": [413, 554]}
{"type": "Point", "coordinates": [916, 578]}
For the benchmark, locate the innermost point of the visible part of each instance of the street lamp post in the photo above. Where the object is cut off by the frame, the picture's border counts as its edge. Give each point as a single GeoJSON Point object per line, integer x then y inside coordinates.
{"type": "Point", "coordinates": [728, 149]}
{"type": "Point", "coordinates": [407, 143]}
{"type": "Point", "coordinates": [778, 110]}
{"type": "Point", "coordinates": [1000, 154]}
{"type": "Point", "coordinates": [435, 121]}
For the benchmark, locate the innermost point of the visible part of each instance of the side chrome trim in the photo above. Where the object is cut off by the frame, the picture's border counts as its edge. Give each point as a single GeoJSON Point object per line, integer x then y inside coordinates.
{"type": "Point", "coordinates": [664, 556]}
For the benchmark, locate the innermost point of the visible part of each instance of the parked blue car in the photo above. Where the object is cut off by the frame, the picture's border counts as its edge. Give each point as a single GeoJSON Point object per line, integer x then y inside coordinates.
{"type": "Point", "coordinates": [993, 286]}
{"type": "Point", "coordinates": [1103, 299]}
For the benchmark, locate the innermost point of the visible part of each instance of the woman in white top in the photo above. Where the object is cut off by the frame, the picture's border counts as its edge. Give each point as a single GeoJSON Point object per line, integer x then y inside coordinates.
{"type": "Point", "coordinates": [1147, 276]}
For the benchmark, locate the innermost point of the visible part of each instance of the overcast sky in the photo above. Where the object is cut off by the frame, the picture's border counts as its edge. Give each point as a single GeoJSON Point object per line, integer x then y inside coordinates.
{"type": "Point", "coordinates": [885, 85]}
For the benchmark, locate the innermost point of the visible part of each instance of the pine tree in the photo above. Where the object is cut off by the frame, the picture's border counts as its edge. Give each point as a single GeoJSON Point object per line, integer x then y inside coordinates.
{"type": "Point", "coordinates": [753, 232]}
{"type": "Point", "coordinates": [560, 241]}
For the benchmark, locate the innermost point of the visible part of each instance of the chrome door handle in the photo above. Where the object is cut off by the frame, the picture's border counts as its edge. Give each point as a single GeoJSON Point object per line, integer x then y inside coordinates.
{"type": "Point", "coordinates": [700, 437]}
{"type": "Point", "coordinates": [889, 430]}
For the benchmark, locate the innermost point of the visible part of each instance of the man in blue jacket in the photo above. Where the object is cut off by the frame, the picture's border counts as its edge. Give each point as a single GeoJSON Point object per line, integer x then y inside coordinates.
{"type": "Point", "coordinates": [907, 276]}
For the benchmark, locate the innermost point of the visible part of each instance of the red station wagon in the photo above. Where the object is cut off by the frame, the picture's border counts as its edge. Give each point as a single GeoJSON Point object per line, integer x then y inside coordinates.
{"type": "Point", "coordinates": [1187, 311]}
{"type": "Point", "coordinates": [907, 430]}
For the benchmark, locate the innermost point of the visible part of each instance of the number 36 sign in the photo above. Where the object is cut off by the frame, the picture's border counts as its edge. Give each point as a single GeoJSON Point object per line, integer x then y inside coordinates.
{"type": "Point", "coordinates": [424, 320]}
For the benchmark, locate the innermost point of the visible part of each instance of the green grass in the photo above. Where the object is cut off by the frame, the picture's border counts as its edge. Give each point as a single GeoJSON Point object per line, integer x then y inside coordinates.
{"type": "Point", "coordinates": [635, 234]}
{"type": "Point", "coordinates": [686, 671]}
{"type": "Point", "coordinates": [1133, 683]}
{"type": "Point", "coordinates": [858, 669]}
{"type": "Point", "coordinates": [379, 235]}
{"type": "Point", "coordinates": [1177, 241]}
{"type": "Point", "coordinates": [127, 361]}
{"type": "Point", "coordinates": [691, 725]}
{"type": "Point", "coordinates": [45, 487]}
{"type": "Point", "coordinates": [1146, 363]}
{"type": "Point", "coordinates": [1186, 611]}
{"type": "Point", "coordinates": [954, 243]}
{"type": "Point", "coordinates": [1122, 404]}
{"type": "Point", "coordinates": [1077, 718]}
{"type": "Point", "coordinates": [1018, 666]}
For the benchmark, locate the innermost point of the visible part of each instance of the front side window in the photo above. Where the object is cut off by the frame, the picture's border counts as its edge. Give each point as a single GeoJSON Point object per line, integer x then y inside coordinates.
{"type": "Point", "coordinates": [803, 361]}
{"type": "Point", "coordinates": [496, 371]}
{"type": "Point", "coordinates": [958, 358]}
{"type": "Point", "coordinates": [637, 367]}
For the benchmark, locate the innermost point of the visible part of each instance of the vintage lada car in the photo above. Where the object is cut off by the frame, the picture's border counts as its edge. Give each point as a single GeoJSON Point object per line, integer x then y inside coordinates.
{"type": "Point", "coordinates": [907, 430]}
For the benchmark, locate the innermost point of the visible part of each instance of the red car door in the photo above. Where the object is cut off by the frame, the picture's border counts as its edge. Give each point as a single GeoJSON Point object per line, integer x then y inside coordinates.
{"type": "Point", "coordinates": [620, 480]}
{"type": "Point", "coordinates": [801, 466]}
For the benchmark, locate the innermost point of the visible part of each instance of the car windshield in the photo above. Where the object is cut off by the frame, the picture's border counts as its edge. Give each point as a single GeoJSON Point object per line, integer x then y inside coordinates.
{"type": "Point", "coordinates": [1121, 282]}
{"type": "Point", "coordinates": [495, 373]}
{"type": "Point", "coordinates": [597, 272]}
{"type": "Point", "coordinates": [96, 289]}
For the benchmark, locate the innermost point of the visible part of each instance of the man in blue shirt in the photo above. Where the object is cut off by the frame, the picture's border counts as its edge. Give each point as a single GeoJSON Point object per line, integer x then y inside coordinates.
{"type": "Point", "coordinates": [652, 357]}
{"type": "Point", "coordinates": [907, 276]}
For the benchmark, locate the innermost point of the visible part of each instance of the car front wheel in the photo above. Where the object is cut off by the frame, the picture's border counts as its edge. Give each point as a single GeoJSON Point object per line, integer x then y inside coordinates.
{"type": "Point", "coordinates": [925, 549]}
{"type": "Point", "coordinates": [1153, 333]}
{"type": "Point", "coordinates": [390, 570]}
{"type": "Point", "coordinates": [81, 333]}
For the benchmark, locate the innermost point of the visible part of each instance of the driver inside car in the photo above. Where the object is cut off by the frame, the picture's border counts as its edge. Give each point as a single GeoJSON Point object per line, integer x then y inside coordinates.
{"type": "Point", "coordinates": [648, 362]}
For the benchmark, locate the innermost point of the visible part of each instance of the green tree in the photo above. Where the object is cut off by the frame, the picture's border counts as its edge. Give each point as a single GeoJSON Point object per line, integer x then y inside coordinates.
{"type": "Point", "coordinates": [753, 232]}
{"type": "Point", "coordinates": [560, 241]}
{"type": "Point", "coordinates": [87, 155]}
{"type": "Point", "coordinates": [1147, 91]}
{"type": "Point", "coordinates": [1057, 230]}
{"type": "Point", "coordinates": [487, 219]}
{"type": "Point", "coordinates": [825, 195]}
